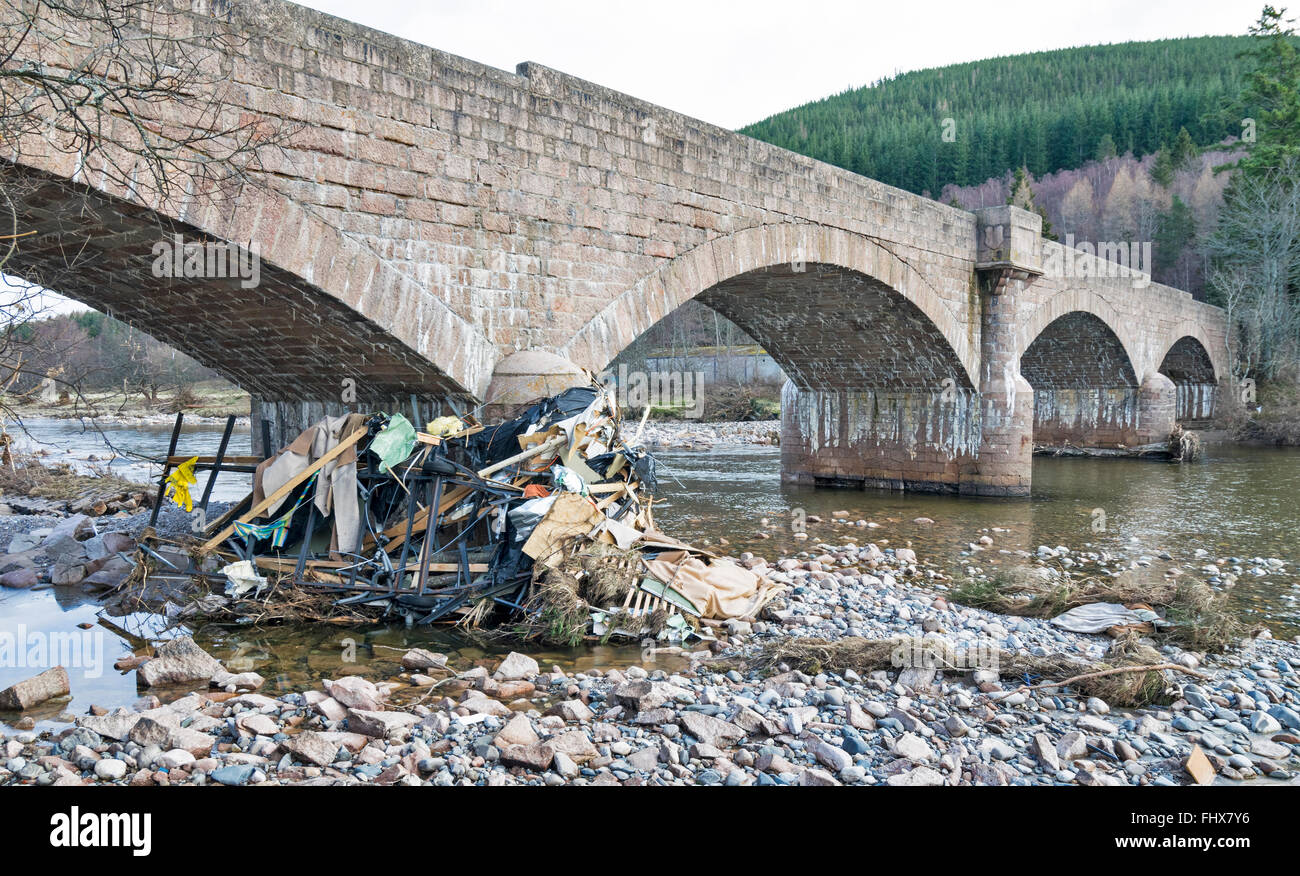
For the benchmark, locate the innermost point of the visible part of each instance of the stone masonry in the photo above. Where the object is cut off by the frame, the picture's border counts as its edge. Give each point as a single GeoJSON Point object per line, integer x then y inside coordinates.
{"type": "Point", "coordinates": [432, 217]}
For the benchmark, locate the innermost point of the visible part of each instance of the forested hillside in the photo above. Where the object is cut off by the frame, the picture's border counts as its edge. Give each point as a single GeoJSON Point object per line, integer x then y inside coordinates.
{"type": "Point", "coordinates": [1046, 111]}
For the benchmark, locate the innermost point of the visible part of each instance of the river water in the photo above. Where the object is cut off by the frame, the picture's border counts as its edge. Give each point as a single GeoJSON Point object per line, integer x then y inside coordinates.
{"type": "Point", "coordinates": [1236, 502]}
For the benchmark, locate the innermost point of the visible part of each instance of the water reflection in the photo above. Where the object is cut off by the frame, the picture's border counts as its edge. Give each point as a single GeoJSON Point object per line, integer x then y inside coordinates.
{"type": "Point", "coordinates": [1238, 502]}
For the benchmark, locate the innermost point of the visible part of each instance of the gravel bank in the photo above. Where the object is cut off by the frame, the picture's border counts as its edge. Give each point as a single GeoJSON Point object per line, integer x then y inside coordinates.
{"type": "Point", "coordinates": [513, 723]}
{"type": "Point", "coordinates": [689, 434]}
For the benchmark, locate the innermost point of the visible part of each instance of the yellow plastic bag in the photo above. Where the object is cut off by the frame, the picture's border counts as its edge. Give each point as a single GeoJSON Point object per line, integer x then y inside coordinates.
{"type": "Point", "coordinates": [178, 484]}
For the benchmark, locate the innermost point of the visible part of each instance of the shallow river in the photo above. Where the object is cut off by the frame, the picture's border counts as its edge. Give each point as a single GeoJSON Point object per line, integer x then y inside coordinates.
{"type": "Point", "coordinates": [1242, 502]}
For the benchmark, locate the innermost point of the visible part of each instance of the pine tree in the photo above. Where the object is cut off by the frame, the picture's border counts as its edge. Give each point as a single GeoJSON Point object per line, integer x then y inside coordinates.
{"type": "Point", "coordinates": [1183, 150]}
{"type": "Point", "coordinates": [1105, 147]}
{"type": "Point", "coordinates": [1162, 169]}
{"type": "Point", "coordinates": [1175, 232]}
{"type": "Point", "coordinates": [1272, 89]}
{"type": "Point", "coordinates": [1022, 196]}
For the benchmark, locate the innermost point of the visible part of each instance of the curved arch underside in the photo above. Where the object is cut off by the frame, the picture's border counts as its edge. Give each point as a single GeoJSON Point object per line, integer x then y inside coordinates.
{"type": "Point", "coordinates": [834, 328]}
{"type": "Point", "coordinates": [1188, 361]}
{"type": "Point", "coordinates": [1189, 365]}
{"type": "Point", "coordinates": [284, 338]}
{"type": "Point", "coordinates": [1085, 387]}
{"type": "Point", "coordinates": [1077, 351]}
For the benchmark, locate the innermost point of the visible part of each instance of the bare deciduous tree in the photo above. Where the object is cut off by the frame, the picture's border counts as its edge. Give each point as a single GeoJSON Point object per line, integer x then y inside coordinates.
{"type": "Point", "coordinates": [1256, 254]}
{"type": "Point", "coordinates": [135, 95]}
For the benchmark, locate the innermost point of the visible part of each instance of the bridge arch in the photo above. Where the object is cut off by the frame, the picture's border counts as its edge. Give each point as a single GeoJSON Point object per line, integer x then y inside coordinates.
{"type": "Point", "coordinates": [759, 255]}
{"type": "Point", "coordinates": [1088, 302]}
{"type": "Point", "coordinates": [1086, 389]}
{"type": "Point", "coordinates": [325, 308]}
{"type": "Point", "coordinates": [1188, 363]}
{"type": "Point", "coordinates": [1209, 353]}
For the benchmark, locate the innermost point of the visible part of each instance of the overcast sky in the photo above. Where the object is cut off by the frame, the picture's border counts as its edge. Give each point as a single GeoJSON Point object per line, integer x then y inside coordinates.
{"type": "Point", "coordinates": [732, 63]}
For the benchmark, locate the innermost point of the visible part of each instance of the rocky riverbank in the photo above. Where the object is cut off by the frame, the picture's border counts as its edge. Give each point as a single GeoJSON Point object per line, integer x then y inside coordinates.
{"type": "Point", "coordinates": [205, 402]}
{"type": "Point", "coordinates": [51, 549]}
{"type": "Point", "coordinates": [695, 435]}
{"type": "Point", "coordinates": [730, 717]}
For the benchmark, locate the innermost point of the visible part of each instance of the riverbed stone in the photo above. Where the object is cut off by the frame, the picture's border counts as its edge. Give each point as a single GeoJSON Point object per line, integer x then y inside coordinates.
{"type": "Point", "coordinates": [33, 691]}
{"type": "Point", "coordinates": [516, 666]}
{"type": "Point", "coordinates": [179, 660]}
{"type": "Point", "coordinates": [20, 578]}
{"type": "Point", "coordinates": [921, 776]}
{"type": "Point", "coordinates": [355, 692]}
{"type": "Point", "coordinates": [1270, 749]}
{"type": "Point", "coordinates": [714, 731]}
{"type": "Point", "coordinates": [575, 744]}
{"type": "Point", "coordinates": [912, 747]}
{"type": "Point", "coordinates": [517, 731]}
{"type": "Point", "coordinates": [420, 659]}
{"type": "Point", "coordinates": [312, 747]}
{"type": "Point", "coordinates": [572, 711]}
{"type": "Point", "coordinates": [379, 724]}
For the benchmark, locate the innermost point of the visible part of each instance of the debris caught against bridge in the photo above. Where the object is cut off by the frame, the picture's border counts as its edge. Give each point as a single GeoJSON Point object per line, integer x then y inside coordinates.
{"type": "Point", "coordinates": [545, 520]}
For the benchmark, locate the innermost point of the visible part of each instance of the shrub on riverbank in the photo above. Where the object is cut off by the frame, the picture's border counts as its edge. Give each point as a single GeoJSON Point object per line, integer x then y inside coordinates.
{"type": "Point", "coordinates": [1274, 418]}
{"type": "Point", "coordinates": [728, 403]}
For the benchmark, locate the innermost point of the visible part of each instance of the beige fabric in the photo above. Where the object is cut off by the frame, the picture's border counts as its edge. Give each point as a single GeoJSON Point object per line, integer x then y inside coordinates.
{"type": "Point", "coordinates": [336, 484]}
{"type": "Point", "coordinates": [570, 515]}
{"type": "Point", "coordinates": [718, 589]}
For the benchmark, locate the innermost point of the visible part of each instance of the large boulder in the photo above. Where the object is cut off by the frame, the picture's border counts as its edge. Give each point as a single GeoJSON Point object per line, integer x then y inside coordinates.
{"type": "Point", "coordinates": [19, 578]}
{"type": "Point", "coordinates": [517, 666]}
{"type": "Point", "coordinates": [179, 661]}
{"type": "Point", "coordinates": [312, 747]}
{"type": "Point", "coordinates": [63, 544]}
{"type": "Point", "coordinates": [418, 659]}
{"type": "Point", "coordinates": [355, 692]}
{"type": "Point", "coordinates": [710, 730]}
{"type": "Point", "coordinates": [32, 692]}
{"type": "Point", "coordinates": [575, 744]}
{"type": "Point", "coordinates": [379, 724]}
{"type": "Point", "coordinates": [517, 731]}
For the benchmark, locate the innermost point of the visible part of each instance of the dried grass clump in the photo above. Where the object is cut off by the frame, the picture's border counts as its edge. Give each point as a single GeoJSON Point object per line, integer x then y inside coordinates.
{"type": "Point", "coordinates": [1005, 594]}
{"type": "Point", "coordinates": [1201, 619]}
{"type": "Point", "coordinates": [28, 476]}
{"type": "Point", "coordinates": [588, 576]}
{"type": "Point", "coordinates": [1120, 680]}
{"type": "Point", "coordinates": [1199, 616]}
{"type": "Point", "coordinates": [1136, 688]}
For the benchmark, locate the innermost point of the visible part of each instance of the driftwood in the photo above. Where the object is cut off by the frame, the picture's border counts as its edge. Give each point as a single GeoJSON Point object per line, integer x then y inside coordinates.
{"type": "Point", "coordinates": [1143, 667]}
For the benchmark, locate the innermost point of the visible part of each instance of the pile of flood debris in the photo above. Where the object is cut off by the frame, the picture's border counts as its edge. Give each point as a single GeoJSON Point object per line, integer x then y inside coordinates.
{"type": "Point", "coordinates": [541, 527]}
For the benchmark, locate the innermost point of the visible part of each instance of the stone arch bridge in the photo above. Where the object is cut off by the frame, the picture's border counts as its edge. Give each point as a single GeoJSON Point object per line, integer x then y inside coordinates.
{"type": "Point", "coordinates": [447, 231]}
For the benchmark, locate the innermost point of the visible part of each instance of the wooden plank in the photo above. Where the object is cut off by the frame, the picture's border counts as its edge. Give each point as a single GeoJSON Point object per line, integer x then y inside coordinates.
{"type": "Point", "coordinates": [216, 465]}
{"type": "Point", "coordinates": [162, 480]}
{"type": "Point", "coordinates": [544, 447]}
{"type": "Point", "coordinates": [288, 487]}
